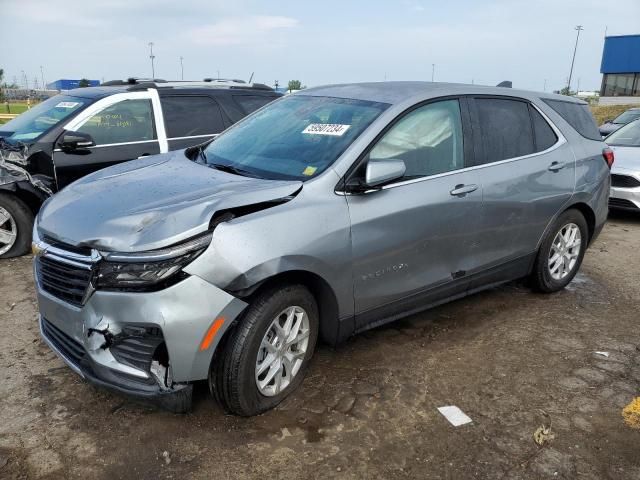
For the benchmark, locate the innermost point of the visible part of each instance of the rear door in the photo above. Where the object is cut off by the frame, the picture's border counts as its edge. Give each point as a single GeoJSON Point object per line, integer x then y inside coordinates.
{"type": "Point", "coordinates": [124, 126]}
{"type": "Point", "coordinates": [191, 119]}
{"type": "Point", "coordinates": [527, 171]}
{"type": "Point", "coordinates": [410, 240]}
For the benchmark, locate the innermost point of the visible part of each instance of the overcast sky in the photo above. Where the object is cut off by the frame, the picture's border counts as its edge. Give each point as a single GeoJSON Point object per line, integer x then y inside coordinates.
{"type": "Point", "coordinates": [487, 41]}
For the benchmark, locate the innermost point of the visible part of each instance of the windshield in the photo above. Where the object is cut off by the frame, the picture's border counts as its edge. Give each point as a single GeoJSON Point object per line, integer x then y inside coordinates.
{"type": "Point", "coordinates": [295, 138]}
{"type": "Point", "coordinates": [627, 136]}
{"type": "Point", "coordinates": [42, 117]}
{"type": "Point", "coordinates": [627, 116]}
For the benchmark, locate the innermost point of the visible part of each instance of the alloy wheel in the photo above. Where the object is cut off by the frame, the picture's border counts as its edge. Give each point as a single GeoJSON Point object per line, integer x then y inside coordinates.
{"type": "Point", "coordinates": [565, 250]}
{"type": "Point", "coordinates": [8, 231]}
{"type": "Point", "coordinates": [282, 351]}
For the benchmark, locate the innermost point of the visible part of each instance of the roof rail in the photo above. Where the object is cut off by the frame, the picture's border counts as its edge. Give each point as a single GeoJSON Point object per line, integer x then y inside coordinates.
{"type": "Point", "coordinates": [132, 81]}
{"type": "Point", "coordinates": [223, 80]}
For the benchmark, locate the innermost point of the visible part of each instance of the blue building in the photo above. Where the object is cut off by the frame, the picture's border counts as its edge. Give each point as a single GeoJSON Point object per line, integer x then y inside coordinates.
{"type": "Point", "coordinates": [66, 84]}
{"type": "Point", "coordinates": [620, 66]}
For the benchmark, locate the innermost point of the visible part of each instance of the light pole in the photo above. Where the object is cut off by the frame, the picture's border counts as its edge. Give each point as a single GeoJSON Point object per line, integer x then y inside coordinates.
{"type": "Point", "coordinates": [44, 85]}
{"type": "Point", "coordinates": [433, 71]}
{"type": "Point", "coordinates": [181, 68]}
{"type": "Point", "coordinates": [152, 56]}
{"type": "Point", "coordinates": [544, 89]}
{"type": "Point", "coordinates": [573, 59]}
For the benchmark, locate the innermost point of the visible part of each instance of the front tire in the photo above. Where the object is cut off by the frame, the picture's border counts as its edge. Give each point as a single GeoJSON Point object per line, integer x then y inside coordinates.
{"type": "Point", "coordinates": [561, 252]}
{"type": "Point", "coordinates": [16, 226]}
{"type": "Point", "coordinates": [268, 353]}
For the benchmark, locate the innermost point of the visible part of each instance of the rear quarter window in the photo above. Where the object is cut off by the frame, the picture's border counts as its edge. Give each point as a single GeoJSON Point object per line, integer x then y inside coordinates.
{"type": "Point", "coordinates": [578, 116]}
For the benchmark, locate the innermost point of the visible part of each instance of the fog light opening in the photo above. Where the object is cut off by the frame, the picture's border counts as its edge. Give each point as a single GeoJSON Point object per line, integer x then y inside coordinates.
{"type": "Point", "coordinates": [160, 367]}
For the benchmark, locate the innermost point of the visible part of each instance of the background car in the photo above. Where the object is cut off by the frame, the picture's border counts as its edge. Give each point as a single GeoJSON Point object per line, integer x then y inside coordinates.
{"type": "Point", "coordinates": [620, 121]}
{"type": "Point", "coordinates": [625, 174]}
{"type": "Point", "coordinates": [83, 130]}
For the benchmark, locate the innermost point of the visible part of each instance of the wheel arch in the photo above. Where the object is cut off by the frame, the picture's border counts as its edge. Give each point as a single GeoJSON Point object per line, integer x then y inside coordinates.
{"type": "Point", "coordinates": [588, 214]}
{"type": "Point", "coordinates": [322, 291]}
{"type": "Point", "coordinates": [28, 196]}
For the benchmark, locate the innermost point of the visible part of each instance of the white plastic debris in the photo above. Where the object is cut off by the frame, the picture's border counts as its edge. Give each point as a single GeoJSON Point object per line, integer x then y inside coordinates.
{"type": "Point", "coordinates": [455, 416]}
{"type": "Point", "coordinates": [604, 354]}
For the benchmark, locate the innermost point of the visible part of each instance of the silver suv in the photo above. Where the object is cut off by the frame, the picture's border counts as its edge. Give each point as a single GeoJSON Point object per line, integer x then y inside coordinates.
{"type": "Point", "coordinates": [321, 215]}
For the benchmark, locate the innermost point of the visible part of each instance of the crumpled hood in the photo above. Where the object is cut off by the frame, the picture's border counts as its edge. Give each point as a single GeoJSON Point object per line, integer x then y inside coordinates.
{"type": "Point", "coordinates": [626, 158]}
{"type": "Point", "coordinates": [149, 203]}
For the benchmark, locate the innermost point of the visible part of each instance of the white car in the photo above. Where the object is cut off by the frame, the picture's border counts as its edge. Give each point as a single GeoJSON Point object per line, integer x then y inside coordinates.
{"type": "Point", "coordinates": [625, 174]}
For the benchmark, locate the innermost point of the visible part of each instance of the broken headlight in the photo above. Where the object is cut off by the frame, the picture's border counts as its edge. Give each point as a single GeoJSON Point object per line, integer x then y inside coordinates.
{"type": "Point", "coordinates": [148, 270]}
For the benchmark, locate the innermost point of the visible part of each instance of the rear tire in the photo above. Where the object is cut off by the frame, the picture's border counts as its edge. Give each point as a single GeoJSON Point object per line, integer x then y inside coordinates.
{"type": "Point", "coordinates": [16, 226]}
{"type": "Point", "coordinates": [235, 375]}
{"type": "Point", "coordinates": [561, 253]}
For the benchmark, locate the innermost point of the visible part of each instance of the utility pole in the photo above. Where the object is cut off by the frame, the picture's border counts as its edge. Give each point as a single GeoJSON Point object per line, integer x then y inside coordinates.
{"type": "Point", "coordinates": [578, 86]}
{"type": "Point", "coordinates": [44, 85]}
{"type": "Point", "coordinates": [152, 57]}
{"type": "Point", "coordinates": [573, 59]}
{"type": "Point", "coordinates": [181, 68]}
{"type": "Point", "coordinates": [544, 89]}
{"type": "Point", "coordinates": [433, 71]}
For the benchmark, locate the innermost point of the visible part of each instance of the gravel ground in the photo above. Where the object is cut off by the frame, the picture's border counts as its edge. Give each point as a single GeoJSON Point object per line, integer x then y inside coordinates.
{"type": "Point", "coordinates": [510, 359]}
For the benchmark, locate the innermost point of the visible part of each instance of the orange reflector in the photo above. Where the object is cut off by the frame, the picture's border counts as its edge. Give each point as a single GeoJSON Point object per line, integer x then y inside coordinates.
{"type": "Point", "coordinates": [211, 333]}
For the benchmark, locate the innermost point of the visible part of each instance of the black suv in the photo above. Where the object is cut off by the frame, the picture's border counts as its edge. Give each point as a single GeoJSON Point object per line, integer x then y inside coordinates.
{"type": "Point", "coordinates": [86, 129]}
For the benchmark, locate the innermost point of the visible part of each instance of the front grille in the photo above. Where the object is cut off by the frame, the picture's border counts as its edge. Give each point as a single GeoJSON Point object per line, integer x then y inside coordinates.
{"type": "Point", "coordinates": [621, 203]}
{"type": "Point", "coordinates": [63, 280]}
{"type": "Point", "coordinates": [63, 342]}
{"type": "Point", "coordinates": [624, 181]}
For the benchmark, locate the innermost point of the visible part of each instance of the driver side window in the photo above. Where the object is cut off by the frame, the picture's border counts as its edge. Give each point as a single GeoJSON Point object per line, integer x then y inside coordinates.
{"type": "Point", "coordinates": [429, 140]}
{"type": "Point", "coordinates": [123, 122]}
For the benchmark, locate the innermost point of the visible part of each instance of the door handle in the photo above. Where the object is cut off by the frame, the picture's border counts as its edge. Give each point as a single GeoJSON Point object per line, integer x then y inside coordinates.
{"type": "Point", "coordinates": [556, 166]}
{"type": "Point", "coordinates": [461, 190]}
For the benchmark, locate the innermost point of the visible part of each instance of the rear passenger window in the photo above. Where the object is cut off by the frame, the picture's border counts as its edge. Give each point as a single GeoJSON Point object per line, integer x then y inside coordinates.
{"type": "Point", "coordinates": [251, 103]}
{"type": "Point", "coordinates": [191, 116]}
{"type": "Point", "coordinates": [505, 127]}
{"type": "Point", "coordinates": [578, 116]}
{"type": "Point", "coordinates": [545, 136]}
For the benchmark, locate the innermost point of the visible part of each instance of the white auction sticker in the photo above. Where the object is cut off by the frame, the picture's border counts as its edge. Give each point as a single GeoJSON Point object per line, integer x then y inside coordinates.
{"type": "Point", "coordinates": [67, 104]}
{"type": "Point", "coordinates": [334, 129]}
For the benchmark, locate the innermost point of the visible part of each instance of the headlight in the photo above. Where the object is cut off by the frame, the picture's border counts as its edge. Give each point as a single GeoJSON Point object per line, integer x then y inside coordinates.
{"type": "Point", "coordinates": [146, 270]}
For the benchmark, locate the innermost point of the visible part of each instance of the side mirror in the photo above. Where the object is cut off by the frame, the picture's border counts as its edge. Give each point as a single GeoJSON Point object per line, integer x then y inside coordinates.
{"type": "Point", "coordinates": [383, 171]}
{"type": "Point", "coordinates": [75, 140]}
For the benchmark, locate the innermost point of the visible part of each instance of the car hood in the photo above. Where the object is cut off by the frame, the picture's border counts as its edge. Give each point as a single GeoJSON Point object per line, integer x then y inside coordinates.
{"type": "Point", "coordinates": [149, 203]}
{"type": "Point", "coordinates": [626, 158]}
{"type": "Point", "coordinates": [607, 128]}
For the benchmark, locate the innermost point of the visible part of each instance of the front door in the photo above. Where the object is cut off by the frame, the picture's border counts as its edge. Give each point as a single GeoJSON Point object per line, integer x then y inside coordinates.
{"type": "Point", "coordinates": [410, 240]}
{"type": "Point", "coordinates": [123, 127]}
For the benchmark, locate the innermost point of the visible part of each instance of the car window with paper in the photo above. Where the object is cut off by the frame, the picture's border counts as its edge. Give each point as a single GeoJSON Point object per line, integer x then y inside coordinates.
{"type": "Point", "coordinates": [124, 122]}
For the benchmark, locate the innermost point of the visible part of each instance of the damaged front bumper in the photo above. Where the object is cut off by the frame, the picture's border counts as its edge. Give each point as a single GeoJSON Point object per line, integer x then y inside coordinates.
{"type": "Point", "coordinates": [145, 345]}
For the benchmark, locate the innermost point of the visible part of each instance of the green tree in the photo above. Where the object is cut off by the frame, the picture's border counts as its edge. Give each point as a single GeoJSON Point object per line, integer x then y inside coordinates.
{"type": "Point", "coordinates": [83, 83]}
{"type": "Point", "coordinates": [1, 86]}
{"type": "Point", "coordinates": [566, 91]}
{"type": "Point", "coordinates": [294, 85]}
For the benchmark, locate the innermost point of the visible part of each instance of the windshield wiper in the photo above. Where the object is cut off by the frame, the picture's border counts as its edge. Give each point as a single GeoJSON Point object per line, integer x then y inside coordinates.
{"type": "Point", "coordinates": [231, 169]}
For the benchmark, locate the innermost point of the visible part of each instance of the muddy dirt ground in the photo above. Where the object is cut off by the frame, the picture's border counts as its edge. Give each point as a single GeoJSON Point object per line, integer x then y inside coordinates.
{"type": "Point", "coordinates": [510, 359]}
